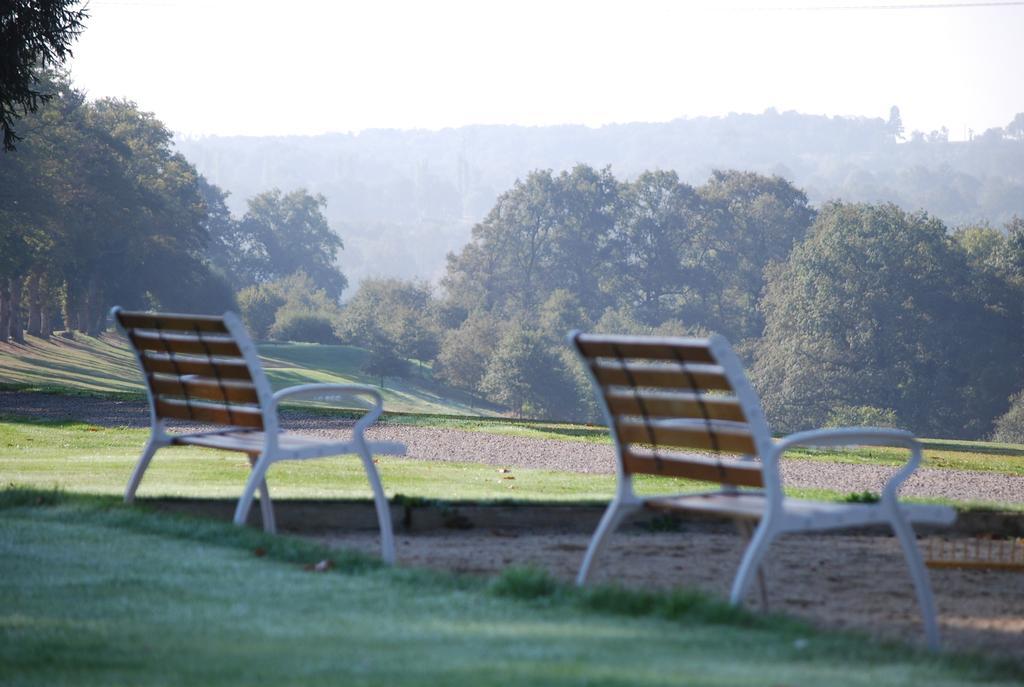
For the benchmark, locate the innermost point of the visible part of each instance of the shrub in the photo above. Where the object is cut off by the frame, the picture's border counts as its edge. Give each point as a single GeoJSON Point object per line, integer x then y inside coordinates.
{"type": "Point", "coordinates": [1009, 428]}
{"type": "Point", "coordinates": [258, 306]}
{"type": "Point", "coordinates": [862, 416]}
{"type": "Point", "coordinates": [303, 326]}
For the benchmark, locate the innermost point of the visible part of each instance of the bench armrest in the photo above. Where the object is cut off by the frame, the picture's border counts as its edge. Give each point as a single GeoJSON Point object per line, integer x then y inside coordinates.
{"type": "Point", "coordinates": [334, 392]}
{"type": "Point", "coordinates": [859, 436]}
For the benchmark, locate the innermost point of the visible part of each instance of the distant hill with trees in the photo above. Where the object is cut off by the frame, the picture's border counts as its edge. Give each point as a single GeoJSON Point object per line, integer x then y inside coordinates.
{"type": "Point", "coordinates": [404, 199]}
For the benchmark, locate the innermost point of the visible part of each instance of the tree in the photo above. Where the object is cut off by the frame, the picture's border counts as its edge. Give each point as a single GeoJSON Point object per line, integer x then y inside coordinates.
{"type": "Point", "coordinates": [1009, 427]}
{"type": "Point", "coordinates": [546, 233]}
{"type": "Point", "coordinates": [282, 233]}
{"type": "Point", "coordinates": [392, 318]}
{"type": "Point", "coordinates": [99, 209]}
{"type": "Point", "coordinates": [671, 248]}
{"type": "Point", "coordinates": [33, 34]}
{"type": "Point", "coordinates": [876, 308]}
{"type": "Point", "coordinates": [530, 377]}
{"type": "Point", "coordinates": [289, 309]}
{"type": "Point", "coordinates": [895, 124]}
{"type": "Point", "coordinates": [465, 351]}
{"type": "Point", "coordinates": [1015, 129]}
{"type": "Point", "coordinates": [765, 218]}
{"type": "Point", "coordinates": [509, 256]}
{"type": "Point", "coordinates": [258, 305]}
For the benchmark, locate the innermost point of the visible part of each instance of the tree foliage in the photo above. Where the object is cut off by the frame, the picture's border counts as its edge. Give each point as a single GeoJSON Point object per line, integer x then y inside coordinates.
{"type": "Point", "coordinates": [1009, 427]}
{"type": "Point", "coordinates": [280, 234]}
{"type": "Point", "coordinates": [34, 34]}
{"type": "Point", "coordinates": [528, 375]}
{"type": "Point", "coordinates": [100, 209]}
{"type": "Point", "coordinates": [292, 308]}
{"type": "Point", "coordinates": [876, 308]}
{"type": "Point", "coordinates": [97, 207]}
{"type": "Point", "coordinates": [392, 318]}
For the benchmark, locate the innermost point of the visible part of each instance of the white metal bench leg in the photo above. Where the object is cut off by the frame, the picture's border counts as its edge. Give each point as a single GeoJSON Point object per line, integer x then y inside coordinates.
{"type": "Point", "coordinates": [918, 573]}
{"type": "Point", "coordinates": [140, 468]}
{"type": "Point", "coordinates": [380, 502]}
{"type": "Point", "coordinates": [266, 505]}
{"type": "Point", "coordinates": [256, 480]}
{"type": "Point", "coordinates": [613, 515]}
{"type": "Point", "coordinates": [751, 562]}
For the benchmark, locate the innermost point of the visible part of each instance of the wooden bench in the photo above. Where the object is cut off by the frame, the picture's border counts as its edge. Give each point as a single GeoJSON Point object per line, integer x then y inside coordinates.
{"type": "Point", "coordinates": [682, 407]}
{"type": "Point", "coordinates": [206, 370]}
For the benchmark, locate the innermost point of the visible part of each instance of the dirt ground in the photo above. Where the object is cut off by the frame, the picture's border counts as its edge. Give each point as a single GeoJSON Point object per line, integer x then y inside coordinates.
{"type": "Point", "coordinates": [835, 581]}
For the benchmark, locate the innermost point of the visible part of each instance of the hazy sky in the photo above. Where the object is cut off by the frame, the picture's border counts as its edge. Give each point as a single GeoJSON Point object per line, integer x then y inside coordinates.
{"type": "Point", "coordinates": [313, 66]}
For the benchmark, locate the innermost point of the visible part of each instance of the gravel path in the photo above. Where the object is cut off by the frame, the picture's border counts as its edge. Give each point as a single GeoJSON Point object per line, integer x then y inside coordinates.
{"type": "Point", "coordinates": [552, 454]}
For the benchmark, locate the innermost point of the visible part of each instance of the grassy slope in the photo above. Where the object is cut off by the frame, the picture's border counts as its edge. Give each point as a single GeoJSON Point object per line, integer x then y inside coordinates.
{"type": "Point", "coordinates": [94, 594]}
{"type": "Point", "coordinates": [105, 365]}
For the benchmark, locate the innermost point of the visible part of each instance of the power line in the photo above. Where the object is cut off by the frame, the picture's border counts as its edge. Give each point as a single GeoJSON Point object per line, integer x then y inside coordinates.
{"type": "Point", "coordinates": [909, 6]}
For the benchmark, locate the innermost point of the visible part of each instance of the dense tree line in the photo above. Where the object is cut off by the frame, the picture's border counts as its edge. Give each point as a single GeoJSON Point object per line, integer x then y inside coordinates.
{"type": "Point", "coordinates": [97, 208]}
{"type": "Point", "coordinates": [406, 198]}
{"type": "Point", "coordinates": [856, 312]}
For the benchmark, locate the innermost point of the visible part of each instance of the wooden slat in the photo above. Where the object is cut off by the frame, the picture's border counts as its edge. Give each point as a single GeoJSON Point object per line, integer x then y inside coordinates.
{"type": "Point", "coordinates": [170, 321]}
{"type": "Point", "coordinates": [692, 434]}
{"type": "Point", "coordinates": [181, 343]}
{"type": "Point", "coordinates": [651, 348]}
{"type": "Point", "coordinates": [209, 389]}
{"type": "Point", "coordinates": [215, 414]}
{"type": "Point", "coordinates": [695, 467]}
{"type": "Point", "coordinates": [203, 367]}
{"type": "Point", "coordinates": [711, 377]}
{"type": "Point", "coordinates": [655, 404]}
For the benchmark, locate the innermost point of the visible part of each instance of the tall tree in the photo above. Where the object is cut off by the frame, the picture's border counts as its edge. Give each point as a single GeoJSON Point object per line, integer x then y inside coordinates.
{"type": "Point", "coordinates": [282, 233]}
{"type": "Point", "coordinates": [547, 232]}
{"type": "Point", "coordinates": [672, 248]}
{"type": "Point", "coordinates": [895, 124]}
{"type": "Point", "coordinates": [530, 376]}
{"type": "Point", "coordinates": [102, 210]}
{"type": "Point", "coordinates": [876, 308]}
{"type": "Point", "coordinates": [394, 317]}
{"type": "Point", "coordinates": [1015, 129]}
{"type": "Point", "coordinates": [765, 217]}
{"type": "Point", "coordinates": [34, 34]}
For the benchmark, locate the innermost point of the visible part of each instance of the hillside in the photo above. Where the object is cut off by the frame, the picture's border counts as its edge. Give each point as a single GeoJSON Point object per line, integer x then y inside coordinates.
{"type": "Point", "coordinates": [105, 365]}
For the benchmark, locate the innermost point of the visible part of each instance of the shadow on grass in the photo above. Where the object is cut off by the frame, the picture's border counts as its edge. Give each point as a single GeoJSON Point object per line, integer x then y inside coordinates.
{"type": "Point", "coordinates": [62, 423]}
{"type": "Point", "coordinates": [964, 447]}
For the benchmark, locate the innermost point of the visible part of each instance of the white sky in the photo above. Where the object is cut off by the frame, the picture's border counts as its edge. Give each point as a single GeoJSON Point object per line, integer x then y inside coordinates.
{"type": "Point", "coordinates": [313, 66]}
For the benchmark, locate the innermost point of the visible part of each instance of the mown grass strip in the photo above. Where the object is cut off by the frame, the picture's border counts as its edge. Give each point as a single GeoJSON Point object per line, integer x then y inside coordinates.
{"type": "Point", "coordinates": [90, 459]}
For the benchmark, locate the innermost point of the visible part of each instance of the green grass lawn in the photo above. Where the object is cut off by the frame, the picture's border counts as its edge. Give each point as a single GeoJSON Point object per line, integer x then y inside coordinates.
{"type": "Point", "coordinates": [97, 594]}
{"type": "Point", "coordinates": [105, 365]}
{"type": "Point", "coordinates": [88, 459]}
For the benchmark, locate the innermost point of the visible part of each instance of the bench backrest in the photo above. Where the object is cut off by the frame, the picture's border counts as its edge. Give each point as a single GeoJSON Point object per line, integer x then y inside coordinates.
{"type": "Point", "coordinates": [663, 394]}
{"type": "Point", "coordinates": [198, 368]}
